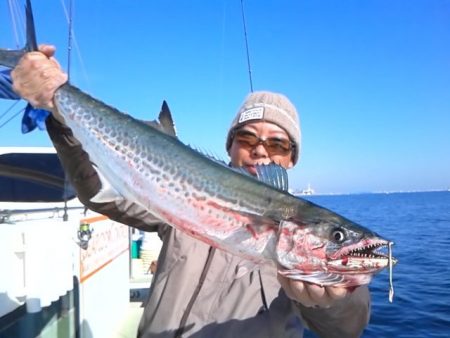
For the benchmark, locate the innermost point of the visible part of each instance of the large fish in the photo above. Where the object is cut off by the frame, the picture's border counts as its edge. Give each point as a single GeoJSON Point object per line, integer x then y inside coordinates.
{"type": "Point", "coordinates": [256, 219]}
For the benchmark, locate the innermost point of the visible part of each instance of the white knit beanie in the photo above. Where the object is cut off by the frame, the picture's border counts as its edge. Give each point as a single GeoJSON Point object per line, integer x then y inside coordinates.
{"type": "Point", "coordinates": [270, 107]}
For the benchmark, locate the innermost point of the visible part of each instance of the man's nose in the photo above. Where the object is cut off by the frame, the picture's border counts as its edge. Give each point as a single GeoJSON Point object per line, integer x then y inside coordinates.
{"type": "Point", "coordinates": [260, 150]}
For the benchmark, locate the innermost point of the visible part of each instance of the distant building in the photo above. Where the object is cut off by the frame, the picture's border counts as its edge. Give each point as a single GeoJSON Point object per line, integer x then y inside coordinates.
{"type": "Point", "coordinates": [307, 191]}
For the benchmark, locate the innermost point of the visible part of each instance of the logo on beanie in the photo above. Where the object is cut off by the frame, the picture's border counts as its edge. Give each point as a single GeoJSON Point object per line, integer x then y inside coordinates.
{"type": "Point", "coordinates": [252, 114]}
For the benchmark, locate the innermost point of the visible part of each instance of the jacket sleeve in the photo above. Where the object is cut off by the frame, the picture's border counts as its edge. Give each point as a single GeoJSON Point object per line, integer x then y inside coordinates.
{"type": "Point", "coordinates": [85, 180]}
{"type": "Point", "coordinates": [6, 91]}
{"type": "Point", "coordinates": [347, 318]}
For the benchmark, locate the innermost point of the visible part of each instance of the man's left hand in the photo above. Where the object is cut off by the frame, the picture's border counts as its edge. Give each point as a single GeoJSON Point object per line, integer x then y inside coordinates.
{"type": "Point", "coordinates": [312, 295]}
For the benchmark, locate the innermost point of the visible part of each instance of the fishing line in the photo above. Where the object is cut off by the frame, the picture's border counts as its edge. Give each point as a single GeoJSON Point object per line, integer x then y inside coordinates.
{"type": "Point", "coordinates": [12, 117]}
{"type": "Point", "coordinates": [73, 41]}
{"type": "Point", "coordinates": [246, 47]}
{"type": "Point", "coordinates": [9, 109]}
{"type": "Point", "coordinates": [15, 13]}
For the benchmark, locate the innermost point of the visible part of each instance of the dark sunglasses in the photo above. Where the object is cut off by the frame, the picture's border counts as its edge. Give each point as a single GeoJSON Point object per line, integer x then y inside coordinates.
{"type": "Point", "coordinates": [273, 145]}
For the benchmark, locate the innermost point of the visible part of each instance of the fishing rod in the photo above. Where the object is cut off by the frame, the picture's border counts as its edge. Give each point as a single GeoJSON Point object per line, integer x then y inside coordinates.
{"type": "Point", "coordinates": [14, 13]}
{"type": "Point", "coordinates": [69, 17]}
{"type": "Point", "coordinates": [246, 47]}
{"type": "Point", "coordinates": [69, 39]}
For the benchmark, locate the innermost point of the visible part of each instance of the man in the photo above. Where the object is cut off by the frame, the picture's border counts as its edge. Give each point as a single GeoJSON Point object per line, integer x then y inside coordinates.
{"type": "Point", "coordinates": [198, 290]}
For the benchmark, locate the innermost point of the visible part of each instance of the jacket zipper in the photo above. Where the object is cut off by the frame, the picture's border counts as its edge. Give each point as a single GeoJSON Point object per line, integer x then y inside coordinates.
{"type": "Point", "coordinates": [194, 296]}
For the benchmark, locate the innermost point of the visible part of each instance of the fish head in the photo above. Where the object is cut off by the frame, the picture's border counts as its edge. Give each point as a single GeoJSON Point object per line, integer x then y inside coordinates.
{"type": "Point", "coordinates": [330, 251]}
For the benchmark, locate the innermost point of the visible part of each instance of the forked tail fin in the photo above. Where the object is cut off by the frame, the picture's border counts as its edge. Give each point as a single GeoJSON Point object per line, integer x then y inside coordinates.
{"type": "Point", "coordinates": [31, 32]}
{"type": "Point", "coordinates": [10, 58]}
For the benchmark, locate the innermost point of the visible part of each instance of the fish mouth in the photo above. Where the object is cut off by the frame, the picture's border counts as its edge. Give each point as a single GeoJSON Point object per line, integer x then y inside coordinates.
{"type": "Point", "coordinates": [368, 251]}
{"type": "Point", "coordinates": [368, 256]}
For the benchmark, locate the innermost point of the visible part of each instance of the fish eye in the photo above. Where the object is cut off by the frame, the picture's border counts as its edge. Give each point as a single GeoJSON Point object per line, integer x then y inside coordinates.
{"type": "Point", "coordinates": [338, 235]}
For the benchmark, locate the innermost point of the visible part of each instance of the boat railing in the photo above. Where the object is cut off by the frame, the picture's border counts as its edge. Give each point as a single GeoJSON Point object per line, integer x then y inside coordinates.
{"type": "Point", "coordinates": [15, 215]}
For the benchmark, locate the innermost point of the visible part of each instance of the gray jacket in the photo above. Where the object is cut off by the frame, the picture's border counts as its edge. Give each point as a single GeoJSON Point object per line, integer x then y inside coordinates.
{"type": "Point", "coordinates": [200, 291]}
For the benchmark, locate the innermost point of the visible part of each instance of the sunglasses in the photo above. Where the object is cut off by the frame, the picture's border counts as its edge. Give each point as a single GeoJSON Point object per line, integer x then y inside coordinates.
{"type": "Point", "coordinates": [273, 145]}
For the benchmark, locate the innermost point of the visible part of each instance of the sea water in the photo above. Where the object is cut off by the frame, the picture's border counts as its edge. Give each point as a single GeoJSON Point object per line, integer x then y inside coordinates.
{"type": "Point", "coordinates": [419, 224]}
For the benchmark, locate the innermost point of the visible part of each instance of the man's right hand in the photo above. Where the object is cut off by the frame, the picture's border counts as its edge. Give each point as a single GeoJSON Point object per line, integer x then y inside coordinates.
{"type": "Point", "coordinates": [37, 76]}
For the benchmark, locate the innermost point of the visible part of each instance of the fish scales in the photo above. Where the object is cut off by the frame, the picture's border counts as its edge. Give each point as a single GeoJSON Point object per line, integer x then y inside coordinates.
{"type": "Point", "coordinates": [171, 179]}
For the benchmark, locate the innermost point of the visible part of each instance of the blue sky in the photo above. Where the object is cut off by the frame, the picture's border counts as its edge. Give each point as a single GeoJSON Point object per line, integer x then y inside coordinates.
{"type": "Point", "coordinates": [371, 79]}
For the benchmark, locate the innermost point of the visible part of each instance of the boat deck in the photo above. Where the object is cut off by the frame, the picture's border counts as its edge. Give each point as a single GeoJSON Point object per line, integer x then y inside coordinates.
{"type": "Point", "coordinates": [139, 288]}
{"type": "Point", "coordinates": [128, 327]}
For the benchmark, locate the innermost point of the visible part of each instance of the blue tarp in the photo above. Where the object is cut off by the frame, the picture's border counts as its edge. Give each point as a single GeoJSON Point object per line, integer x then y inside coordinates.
{"type": "Point", "coordinates": [32, 117]}
{"type": "Point", "coordinates": [6, 91]}
{"type": "Point", "coordinates": [30, 177]}
{"type": "Point", "coordinates": [33, 177]}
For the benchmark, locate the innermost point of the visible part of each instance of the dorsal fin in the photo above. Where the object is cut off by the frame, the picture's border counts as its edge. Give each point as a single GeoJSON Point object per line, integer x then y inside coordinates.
{"type": "Point", "coordinates": [164, 122]}
{"type": "Point", "coordinates": [274, 175]}
{"type": "Point", "coordinates": [271, 174]}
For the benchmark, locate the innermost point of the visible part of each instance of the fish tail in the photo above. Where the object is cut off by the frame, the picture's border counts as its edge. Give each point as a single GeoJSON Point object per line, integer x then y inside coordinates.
{"type": "Point", "coordinates": [10, 58]}
{"type": "Point", "coordinates": [31, 32]}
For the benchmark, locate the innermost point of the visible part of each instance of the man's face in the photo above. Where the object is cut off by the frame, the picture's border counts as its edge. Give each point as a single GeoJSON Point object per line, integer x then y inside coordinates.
{"type": "Point", "coordinates": [248, 148]}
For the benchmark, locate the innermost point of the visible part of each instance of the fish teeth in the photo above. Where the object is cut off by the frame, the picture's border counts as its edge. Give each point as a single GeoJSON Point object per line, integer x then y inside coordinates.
{"type": "Point", "coordinates": [368, 251]}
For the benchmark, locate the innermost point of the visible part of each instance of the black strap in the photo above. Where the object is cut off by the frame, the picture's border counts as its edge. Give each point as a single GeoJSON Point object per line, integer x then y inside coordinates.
{"type": "Point", "coordinates": [186, 313]}
{"type": "Point", "coordinates": [263, 294]}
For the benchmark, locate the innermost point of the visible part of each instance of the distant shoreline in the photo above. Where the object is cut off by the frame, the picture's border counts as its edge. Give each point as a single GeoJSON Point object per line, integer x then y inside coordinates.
{"type": "Point", "coordinates": [370, 192]}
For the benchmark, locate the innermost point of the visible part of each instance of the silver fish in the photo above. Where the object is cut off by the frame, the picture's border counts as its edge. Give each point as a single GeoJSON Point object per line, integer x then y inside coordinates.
{"type": "Point", "coordinates": [257, 220]}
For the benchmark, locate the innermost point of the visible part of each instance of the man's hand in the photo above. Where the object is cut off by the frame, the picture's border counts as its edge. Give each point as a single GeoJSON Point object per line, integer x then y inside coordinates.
{"type": "Point", "coordinates": [37, 76]}
{"type": "Point", "coordinates": [311, 295]}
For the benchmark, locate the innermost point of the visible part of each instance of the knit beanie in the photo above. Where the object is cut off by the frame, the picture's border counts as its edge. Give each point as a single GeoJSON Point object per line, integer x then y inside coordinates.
{"type": "Point", "coordinates": [271, 107]}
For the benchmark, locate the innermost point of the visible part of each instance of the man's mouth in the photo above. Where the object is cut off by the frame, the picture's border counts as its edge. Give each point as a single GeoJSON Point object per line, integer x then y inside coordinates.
{"type": "Point", "coordinates": [251, 168]}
